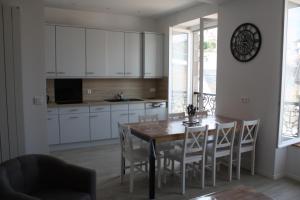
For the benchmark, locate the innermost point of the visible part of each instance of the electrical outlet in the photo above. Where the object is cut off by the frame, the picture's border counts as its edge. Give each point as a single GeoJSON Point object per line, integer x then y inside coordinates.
{"type": "Point", "coordinates": [89, 91]}
{"type": "Point", "coordinates": [152, 90]}
{"type": "Point", "coordinates": [245, 100]}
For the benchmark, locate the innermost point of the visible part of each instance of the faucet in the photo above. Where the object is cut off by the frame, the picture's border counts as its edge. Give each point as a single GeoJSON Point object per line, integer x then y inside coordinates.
{"type": "Point", "coordinates": [120, 95]}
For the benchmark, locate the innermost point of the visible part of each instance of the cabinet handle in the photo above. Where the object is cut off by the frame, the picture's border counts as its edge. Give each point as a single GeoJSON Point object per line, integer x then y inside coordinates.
{"type": "Point", "coordinates": [124, 114]}
{"type": "Point", "coordinates": [50, 72]}
{"type": "Point", "coordinates": [73, 117]}
{"type": "Point", "coordinates": [73, 110]}
{"type": "Point", "coordinates": [132, 113]}
{"type": "Point", "coordinates": [89, 73]}
{"type": "Point", "coordinates": [61, 72]}
{"type": "Point", "coordinates": [50, 119]}
{"type": "Point", "coordinates": [148, 73]}
{"type": "Point", "coordinates": [119, 73]}
{"type": "Point", "coordinates": [99, 108]}
{"type": "Point", "coordinates": [93, 116]}
{"type": "Point", "coordinates": [128, 73]}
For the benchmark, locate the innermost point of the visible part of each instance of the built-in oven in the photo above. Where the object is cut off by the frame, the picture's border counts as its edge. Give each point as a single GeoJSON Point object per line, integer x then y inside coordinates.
{"type": "Point", "coordinates": [68, 91]}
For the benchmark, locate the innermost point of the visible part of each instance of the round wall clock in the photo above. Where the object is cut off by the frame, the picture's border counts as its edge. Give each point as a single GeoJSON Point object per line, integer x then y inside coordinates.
{"type": "Point", "coordinates": [245, 42]}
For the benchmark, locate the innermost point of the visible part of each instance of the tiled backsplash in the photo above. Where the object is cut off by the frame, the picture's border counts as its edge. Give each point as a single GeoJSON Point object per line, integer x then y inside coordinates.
{"type": "Point", "coordinates": [107, 88]}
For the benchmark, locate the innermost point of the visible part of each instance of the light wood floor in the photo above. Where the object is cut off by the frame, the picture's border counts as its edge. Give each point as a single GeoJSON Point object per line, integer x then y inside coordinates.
{"type": "Point", "coordinates": [106, 161]}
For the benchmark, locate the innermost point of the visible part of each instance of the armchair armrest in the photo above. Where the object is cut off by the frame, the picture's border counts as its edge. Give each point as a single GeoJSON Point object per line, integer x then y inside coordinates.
{"type": "Point", "coordinates": [17, 196]}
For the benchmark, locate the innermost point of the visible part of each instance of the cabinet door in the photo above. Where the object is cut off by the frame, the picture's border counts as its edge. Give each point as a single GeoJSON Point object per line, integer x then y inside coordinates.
{"type": "Point", "coordinates": [53, 129]}
{"type": "Point", "coordinates": [50, 51]}
{"type": "Point", "coordinates": [118, 117]}
{"type": "Point", "coordinates": [74, 128]}
{"type": "Point", "coordinates": [133, 55]}
{"type": "Point", "coordinates": [70, 51]}
{"type": "Point", "coordinates": [134, 115]}
{"type": "Point", "coordinates": [95, 53]}
{"type": "Point", "coordinates": [153, 55]}
{"type": "Point", "coordinates": [115, 53]}
{"type": "Point", "coordinates": [100, 125]}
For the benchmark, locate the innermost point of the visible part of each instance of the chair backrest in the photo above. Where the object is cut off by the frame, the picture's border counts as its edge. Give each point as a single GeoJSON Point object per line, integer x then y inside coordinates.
{"type": "Point", "coordinates": [201, 114]}
{"type": "Point", "coordinates": [195, 140]}
{"type": "Point", "coordinates": [125, 139]}
{"type": "Point", "coordinates": [148, 118]}
{"type": "Point", "coordinates": [224, 139]}
{"type": "Point", "coordinates": [248, 133]}
{"type": "Point", "coordinates": [176, 116]}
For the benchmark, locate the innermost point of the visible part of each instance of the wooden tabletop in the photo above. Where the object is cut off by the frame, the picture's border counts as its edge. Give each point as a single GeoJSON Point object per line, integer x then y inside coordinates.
{"type": "Point", "coordinates": [171, 130]}
{"type": "Point", "coordinates": [236, 193]}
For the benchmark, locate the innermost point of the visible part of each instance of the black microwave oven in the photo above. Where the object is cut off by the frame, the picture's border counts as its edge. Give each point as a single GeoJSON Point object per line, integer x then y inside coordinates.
{"type": "Point", "coordinates": [68, 91]}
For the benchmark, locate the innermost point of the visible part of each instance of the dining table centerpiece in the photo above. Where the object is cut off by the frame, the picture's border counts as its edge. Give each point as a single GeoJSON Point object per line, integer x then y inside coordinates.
{"type": "Point", "coordinates": [191, 111]}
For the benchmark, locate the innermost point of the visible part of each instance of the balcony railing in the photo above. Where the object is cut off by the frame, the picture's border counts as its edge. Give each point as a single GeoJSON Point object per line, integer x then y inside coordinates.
{"type": "Point", "coordinates": [205, 101]}
{"type": "Point", "coordinates": [290, 124]}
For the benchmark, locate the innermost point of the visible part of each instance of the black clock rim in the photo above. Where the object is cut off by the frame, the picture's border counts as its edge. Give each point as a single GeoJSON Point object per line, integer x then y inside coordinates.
{"type": "Point", "coordinates": [258, 48]}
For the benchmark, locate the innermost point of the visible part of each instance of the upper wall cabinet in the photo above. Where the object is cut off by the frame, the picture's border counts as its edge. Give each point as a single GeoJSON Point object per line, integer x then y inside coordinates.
{"type": "Point", "coordinates": [70, 51]}
{"type": "Point", "coordinates": [115, 54]}
{"type": "Point", "coordinates": [153, 55]}
{"type": "Point", "coordinates": [133, 55]}
{"type": "Point", "coordinates": [96, 53]}
{"type": "Point", "coordinates": [50, 51]}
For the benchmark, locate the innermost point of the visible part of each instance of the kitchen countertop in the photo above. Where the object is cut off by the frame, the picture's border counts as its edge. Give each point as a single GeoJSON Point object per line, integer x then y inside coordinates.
{"type": "Point", "coordinates": [102, 102]}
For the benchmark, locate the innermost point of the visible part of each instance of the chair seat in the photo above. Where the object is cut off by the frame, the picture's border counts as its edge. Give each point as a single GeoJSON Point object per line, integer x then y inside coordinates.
{"type": "Point", "coordinates": [244, 148]}
{"type": "Point", "coordinates": [58, 194]}
{"type": "Point", "coordinates": [137, 155]}
{"type": "Point", "coordinates": [219, 153]}
{"type": "Point", "coordinates": [176, 154]}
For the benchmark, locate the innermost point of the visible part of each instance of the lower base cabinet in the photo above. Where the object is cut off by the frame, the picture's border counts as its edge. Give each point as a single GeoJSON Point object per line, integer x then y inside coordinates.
{"type": "Point", "coordinates": [117, 117]}
{"type": "Point", "coordinates": [100, 125]}
{"type": "Point", "coordinates": [53, 129]}
{"type": "Point", "coordinates": [74, 128]}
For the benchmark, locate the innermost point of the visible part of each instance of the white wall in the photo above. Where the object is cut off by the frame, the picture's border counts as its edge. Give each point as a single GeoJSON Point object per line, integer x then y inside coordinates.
{"type": "Point", "coordinates": [259, 79]}
{"type": "Point", "coordinates": [32, 74]}
{"type": "Point", "coordinates": [166, 22]}
{"type": "Point", "coordinates": [98, 19]}
{"type": "Point", "coordinates": [293, 163]}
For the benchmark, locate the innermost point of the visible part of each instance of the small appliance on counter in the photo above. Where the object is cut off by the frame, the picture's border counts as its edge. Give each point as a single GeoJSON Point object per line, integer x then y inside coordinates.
{"type": "Point", "coordinates": [68, 91]}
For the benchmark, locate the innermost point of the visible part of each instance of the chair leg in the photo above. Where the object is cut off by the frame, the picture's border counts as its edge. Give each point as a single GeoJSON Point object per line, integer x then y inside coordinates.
{"type": "Point", "coordinates": [182, 167]}
{"type": "Point", "coordinates": [165, 171]}
{"type": "Point", "coordinates": [146, 166]}
{"type": "Point", "coordinates": [173, 167]}
{"type": "Point", "coordinates": [253, 163]}
{"type": "Point", "coordinates": [122, 168]}
{"type": "Point", "coordinates": [230, 168]}
{"type": "Point", "coordinates": [214, 172]}
{"type": "Point", "coordinates": [159, 172]}
{"type": "Point", "coordinates": [238, 166]}
{"type": "Point", "coordinates": [203, 174]}
{"type": "Point", "coordinates": [131, 177]}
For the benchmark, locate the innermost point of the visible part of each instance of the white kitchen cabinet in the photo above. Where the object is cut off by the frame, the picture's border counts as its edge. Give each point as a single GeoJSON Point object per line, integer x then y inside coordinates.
{"type": "Point", "coordinates": [96, 53]}
{"type": "Point", "coordinates": [157, 108]}
{"type": "Point", "coordinates": [50, 51]}
{"type": "Point", "coordinates": [100, 125]}
{"type": "Point", "coordinates": [118, 117]}
{"type": "Point", "coordinates": [133, 49]}
{"type": "Point", "coordinates": [153, 55]}
{"type": "Point", "coordinates": [115, 54]}
{"type": "Point", "coordinates": [53, 129]}
{"type": "Point", "coordinates": [134, 115]}
{"type": "Point", "coordinates": [70, 51]}
{"type": "Point", "coordinates": [74, 128]}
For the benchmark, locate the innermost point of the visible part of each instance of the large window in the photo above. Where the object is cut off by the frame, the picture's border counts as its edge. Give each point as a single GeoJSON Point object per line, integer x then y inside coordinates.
{"type": "Point", "coordinates": [193, 64]}
{"type": "Point", "coordinates": [289, 117]}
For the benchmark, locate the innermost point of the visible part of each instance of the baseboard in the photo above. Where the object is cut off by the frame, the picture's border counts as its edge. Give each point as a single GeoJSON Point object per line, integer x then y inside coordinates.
{"type": "Point", "coordinates": [293, 176]}
{"type": "Point", "coordinates": [61, 147]}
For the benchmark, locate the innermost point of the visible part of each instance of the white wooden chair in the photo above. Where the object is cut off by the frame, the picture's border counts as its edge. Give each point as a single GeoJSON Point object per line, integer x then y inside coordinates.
{"type": "Point", "coordinates": [247, 143]}
{"type": "Point", "coordinates": [176, 116]}
{"type": "Point", "coordinates": [137, 158]}
{"type": "Point", "coordinates": [148, 118]}
{"type": "Point", "coordinates": [194, 151]}
{"type": "Point", "coordinates": [159, 147]}
{"type": "Point", "coordinates": [222, 147]}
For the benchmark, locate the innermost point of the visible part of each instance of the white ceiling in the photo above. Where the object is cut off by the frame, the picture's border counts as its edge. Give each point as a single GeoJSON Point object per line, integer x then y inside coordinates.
{"type": "Point", "coordinates": [141, 8]}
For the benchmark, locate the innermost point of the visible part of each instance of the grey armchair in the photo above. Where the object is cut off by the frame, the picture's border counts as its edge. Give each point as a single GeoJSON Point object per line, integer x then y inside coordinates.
{"type": "Point", "coordinates": [42, 177]}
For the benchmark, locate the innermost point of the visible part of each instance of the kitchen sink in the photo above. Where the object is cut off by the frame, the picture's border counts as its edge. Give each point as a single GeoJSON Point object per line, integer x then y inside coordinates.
{"type": "Point", "coordinates": [122, 100]}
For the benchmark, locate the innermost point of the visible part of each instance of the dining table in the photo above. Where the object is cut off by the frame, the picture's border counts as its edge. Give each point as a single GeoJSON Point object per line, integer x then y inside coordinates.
{"type": "Point", "coordinates": [170, 130]}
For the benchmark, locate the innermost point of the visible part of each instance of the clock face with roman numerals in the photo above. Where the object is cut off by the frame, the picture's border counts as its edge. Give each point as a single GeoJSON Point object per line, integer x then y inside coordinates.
{"type": "Point", "coordinates": [245, 42]}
